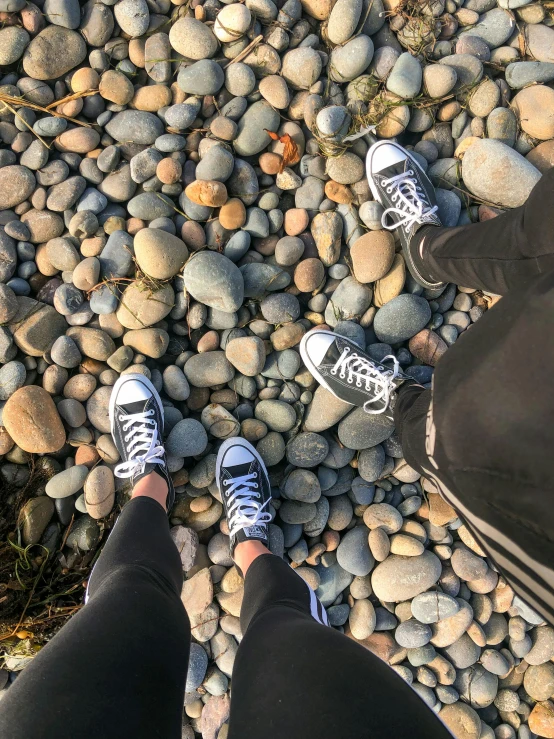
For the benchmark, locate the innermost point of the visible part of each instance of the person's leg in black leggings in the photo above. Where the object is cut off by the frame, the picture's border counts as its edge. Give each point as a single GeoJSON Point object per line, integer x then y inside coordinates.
{"type": "Point", "coordinates": [499, 254]}
{"type": "Point", "coordinates": [295, 678]}
{"type": "Point", "coordinates": [118, 667]}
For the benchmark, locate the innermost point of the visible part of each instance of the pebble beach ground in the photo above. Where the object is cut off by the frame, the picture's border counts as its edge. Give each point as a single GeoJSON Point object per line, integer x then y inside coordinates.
{"type": "Point", "coordinates": [149, 223]}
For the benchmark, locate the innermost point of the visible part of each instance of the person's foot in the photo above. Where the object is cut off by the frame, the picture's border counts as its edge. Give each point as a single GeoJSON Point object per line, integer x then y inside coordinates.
{"type": "Point", "coordinates": [399, 183]}
{"type": "Point", "coordinates": [349, 373]}
{"type": "Point", "coordinates": [137, 422]}
{"type": "Point", "coordinates": [244, 486]}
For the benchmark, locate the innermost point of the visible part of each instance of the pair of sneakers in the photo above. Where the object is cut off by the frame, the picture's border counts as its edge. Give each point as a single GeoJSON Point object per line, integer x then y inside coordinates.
{"type": "Point", "coordinates": [136, 412]}
{"type": "Point", "coordinates": [137, 424]}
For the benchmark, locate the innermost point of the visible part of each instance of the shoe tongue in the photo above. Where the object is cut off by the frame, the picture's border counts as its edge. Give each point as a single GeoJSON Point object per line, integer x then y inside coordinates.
{"type": "Point", "coordinates": [394, 169]}
{"type": "Point", "coordinates": [139, 406]}
{"type": "Point", "coordinates": [239, 470]}
{"type": "Point", "coordinates": [333, 353]}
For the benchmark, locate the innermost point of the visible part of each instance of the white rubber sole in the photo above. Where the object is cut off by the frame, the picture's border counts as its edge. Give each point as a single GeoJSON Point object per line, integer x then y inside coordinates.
{"type": "Point", "coordinates": [139, 378]}
{"type": "Point", "coordinates": [311, 366]}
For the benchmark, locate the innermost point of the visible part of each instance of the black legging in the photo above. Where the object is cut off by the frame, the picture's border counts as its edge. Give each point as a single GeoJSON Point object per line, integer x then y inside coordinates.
{"type": "Point", "coordinates": [118, 668]}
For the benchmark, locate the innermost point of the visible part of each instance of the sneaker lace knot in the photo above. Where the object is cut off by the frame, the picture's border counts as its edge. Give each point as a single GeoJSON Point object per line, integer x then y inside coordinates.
{"type": "Point", "coordinates": [243, 507]}
{"type": "Point", "coordinates": [143, 444]}
{"type": "Point", "coordinates": [358, 370]}
{"type": "Point", "coordinates": [409, 202]}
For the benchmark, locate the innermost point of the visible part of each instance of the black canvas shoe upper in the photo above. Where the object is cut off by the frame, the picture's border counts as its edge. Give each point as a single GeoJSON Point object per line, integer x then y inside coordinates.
{"type": "Point", "coordinates": [351, 374]}
{"type": "Point", "coordinates": [245, 491]}
{"type": "Point", "coordinates": [409, 200]}
{"type": "Point", "coordinates": [137, 427]}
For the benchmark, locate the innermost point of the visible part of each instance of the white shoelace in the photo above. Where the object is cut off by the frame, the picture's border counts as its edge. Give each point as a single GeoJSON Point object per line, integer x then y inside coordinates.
{"type": "Point", "coordinates": [352, 367]}
{"type": "Point", "coordinates": [144, 447]}
{"type": "Point", "coordinates": [243, 508]}
{"type": "Point", "coordinates": [407, 195]}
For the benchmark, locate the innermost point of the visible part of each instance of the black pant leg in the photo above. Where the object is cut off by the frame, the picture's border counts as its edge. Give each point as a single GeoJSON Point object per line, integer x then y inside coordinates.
{"type": "Point", "coordinates": [487, 436]}
{"type": "Point", "coordinates": [118, 667]}
{"type": "Point", "coordinates": [297, 679]}
{"type": "Point", "coordinates": [410, 417]}
{"type": "Point", "coordinates": [500, 254]}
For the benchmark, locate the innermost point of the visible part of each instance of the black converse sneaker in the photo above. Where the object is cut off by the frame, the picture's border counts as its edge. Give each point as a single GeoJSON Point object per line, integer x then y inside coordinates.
{"type": "Point", "coordinates": [349, 373]}
{"type": "Point", "coordinates": [399, 183]}
{"type": "Point", "coordinates": [245, 491]}
{"type": "Point", "coordinates": [137, 421]}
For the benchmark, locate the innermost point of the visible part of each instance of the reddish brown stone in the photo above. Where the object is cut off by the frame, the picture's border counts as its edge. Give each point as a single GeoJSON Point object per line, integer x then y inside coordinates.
{"type": "Point", "coordinates": [427, 346]}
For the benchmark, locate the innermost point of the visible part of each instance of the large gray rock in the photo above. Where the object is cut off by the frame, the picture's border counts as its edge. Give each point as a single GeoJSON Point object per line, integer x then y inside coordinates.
{"type": "Point", "coordinates": [13, 42]}
{"type": "Point", "coordinates": [350, 60]}
{"type": "Point", "coordinates": [135, 126]}
{"type": "Point", "coordinates": [521, 74]}
{"type": "Point", "coordinates": [495, 172]}
{"type": "Point", "coordinates": [193, 39]}
{"type": "Point", "coordinates": [53, 52]}
{"type": "Point", "coordinates": [406, 76]}
{"type": "Point", "coordinates": [204, 77]}
{"type": "Point", "coordinates": [401, 578]}
{"type": "Point", "coordinates": [343, 20]}
{"type": "Point", "coordinates": [132, 16]}
{"type": "Point", "coordinates": [16, 184]}
{"type": "Point", "coordinates": [212, 279]}
{"type": "Point", "coordinates": [494, 27]}
{"type": "Point", "coordinates": [208, 369]}
{"type": "Point", "coordinates": [252, 137]}
{"type": "Point", "coordinates": [350, 300]}
{"type": "Point", "coordinates": [360, 430]}
{"type": "Point", "coordinates": [401, 318]}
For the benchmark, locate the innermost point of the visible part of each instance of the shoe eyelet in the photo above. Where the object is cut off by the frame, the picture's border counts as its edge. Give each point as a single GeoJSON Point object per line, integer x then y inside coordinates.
{"type": "Point", "coordinates": [333, 372]}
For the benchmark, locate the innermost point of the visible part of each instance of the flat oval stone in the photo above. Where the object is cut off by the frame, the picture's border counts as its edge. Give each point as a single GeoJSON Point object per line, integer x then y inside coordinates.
{"type": "Point", "coordinates": [360, 430]}
{"type": "Point", "coordinates": [401, 318]}
{"type": "Point", "coordinates": [68, 482]}
{"type": "Point", "coordinates": [212, 279]}
{"type": "Point", "coordinates": [401, 578]}
{"type": "Point", "coordinates": [142, 306]}
{"type": "Point", "coordinates": [53, 52]}
{"type": "Point", "coordinates": [278, 416]}
{"type": "Point", "coordinates": [494, 171]}
{"type": "Point", "coordinates": [353, 553]}
{"type": "Point", "coordinates": [208, 369]}
{"type": "Point", "coordinates": [16, 184]}
{"type": "Point", "coordinates": [32, 421]}
{"type": "Point", "coordinates": [193, 39]}
{"type": "Point", "coordinates": [252, 137]}
{"type": "Point", "coordinates": [159, 254]}
{"type": "Point", "coordinates": [204, 77]}
{"type": "Point", "coordinates": [431, 607]}
{"type": "Point", "coordinates": [135, 126]}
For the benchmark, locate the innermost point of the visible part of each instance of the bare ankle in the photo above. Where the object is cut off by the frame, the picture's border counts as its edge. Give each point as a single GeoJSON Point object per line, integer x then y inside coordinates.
{"type": "Point", "coordinates": [246, 552]}
{"type": "Point", "coordinates": [152, 486]}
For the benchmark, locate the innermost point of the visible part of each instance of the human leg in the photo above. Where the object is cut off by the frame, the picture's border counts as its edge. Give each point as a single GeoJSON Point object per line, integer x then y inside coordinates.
{"type": "Point", "coordinates": [499, 254]}
{"type": "Point", "coordinates": [495, 255]}
{"type": "Point", "coordinates": [293, 675]}
{"type": "Point", "coordinates": [482, 436]}
{"type": "Point", "coordinates": [297, 678]}
{"type": "Point", "coordinates": [118, 667]}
